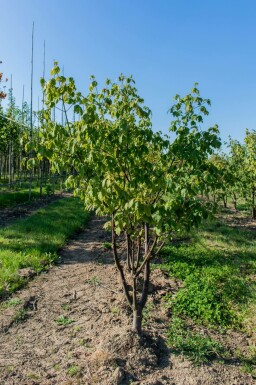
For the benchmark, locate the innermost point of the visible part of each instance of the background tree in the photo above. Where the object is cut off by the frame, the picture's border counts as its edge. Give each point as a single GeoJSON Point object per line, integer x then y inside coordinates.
{"type": "Point", "coordinates": [236, 166]}
{"type": "Point", "coordinates": [2, 92]}
{"type": "Point", "coordinates": [250, 168]}
{"type": "Point", "coordinates": [226, 180]}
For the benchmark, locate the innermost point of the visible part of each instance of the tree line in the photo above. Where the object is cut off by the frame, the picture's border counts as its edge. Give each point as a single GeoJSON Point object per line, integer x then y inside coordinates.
{"type": "Point", "coordinates": [15, 132]}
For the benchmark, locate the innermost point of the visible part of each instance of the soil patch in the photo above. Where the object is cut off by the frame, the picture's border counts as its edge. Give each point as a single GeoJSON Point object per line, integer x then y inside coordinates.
{"type": "Point", "coordinates": [71, 326]}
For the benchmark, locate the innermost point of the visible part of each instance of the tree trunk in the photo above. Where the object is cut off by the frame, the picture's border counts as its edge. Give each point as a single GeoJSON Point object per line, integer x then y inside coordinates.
{"type": "Point", "coordinates": [235, 201]}
{"type": "Point", "coordinates": [224, 201]}
{"type": "Point", "coordinates": [253, 203]}
{"type": "Point", "coordinates": [137, 320]}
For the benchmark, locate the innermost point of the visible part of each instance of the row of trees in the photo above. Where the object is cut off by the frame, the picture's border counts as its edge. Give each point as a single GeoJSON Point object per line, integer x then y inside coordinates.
{"type": "Point", "coordinates": [237, 172]}
{"type": "Point", "coordinates": [15, 132]}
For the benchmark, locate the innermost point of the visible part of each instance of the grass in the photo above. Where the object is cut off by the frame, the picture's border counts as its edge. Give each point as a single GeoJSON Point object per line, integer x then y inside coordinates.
{"type": "Point", "coordinates": [107, 245]}
{"type": "Point", "coordinates": [94, 280]}
{"type": "Point", "coordinates": [198, 348]}
{"type": "Point", "coordinates": [63, 320]}
{"type": "Point", "coordinates": [218, 268]}
{"type": "Point", "coordinates": [34, 241]}
{"type": "Point", "coordinates": [11, 303]}
{"type": "Point", "coordinates": [19, 316]}
{"type": "Point", "coordinates": [73, 370]}
{"type": "Point", "coordinates": [12, 198]}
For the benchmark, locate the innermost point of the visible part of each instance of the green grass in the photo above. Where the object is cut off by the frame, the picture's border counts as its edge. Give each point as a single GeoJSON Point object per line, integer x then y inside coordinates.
{"type": "Point", "coordinates": [73, 371]}
{"type": "Point", "coordinates": [34, 241]}
{"type": "Point", "coordinates": [12, 198]}
{"type": "Point", "coordinates": [11, 303]}
{"type": "Point", "coordinates": [63, 320]}
{"type": "Point", "coordinates": [198, 348]}
{"type": "Point", "coordinates": [218, 268]}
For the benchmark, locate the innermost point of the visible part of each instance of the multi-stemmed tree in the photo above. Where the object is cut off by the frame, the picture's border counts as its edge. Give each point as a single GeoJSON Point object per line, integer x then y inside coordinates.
{"type": "Point", "coordinates": [120, 168]}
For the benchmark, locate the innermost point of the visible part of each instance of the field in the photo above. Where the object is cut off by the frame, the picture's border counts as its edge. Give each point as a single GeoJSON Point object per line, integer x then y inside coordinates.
{"type": "Point", "coordinates": [199, 322]}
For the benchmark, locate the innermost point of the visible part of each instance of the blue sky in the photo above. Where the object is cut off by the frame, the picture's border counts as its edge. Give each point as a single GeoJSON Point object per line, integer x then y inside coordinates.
{"type": "Point", "coordinates": [166, 44]}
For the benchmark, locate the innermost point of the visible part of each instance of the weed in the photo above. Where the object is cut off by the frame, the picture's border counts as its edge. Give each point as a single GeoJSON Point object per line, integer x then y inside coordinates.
{"type": "Point", "coordinates": [11, 303]}
{"type": "Point", "coordinates": [81, 341]}
{"type": "Point", "coordinates": [107, 245]}
{"type": "Point", "coordinates": [65, 306]}
{"type": "Point", "coordinates": [94, 280]}
{"type": "Point", "coordinates": [198, 348]}
{"type": "Point", "coordinates": [64, 320]}
{"type": "Point", "coordinates": [20, 316]}
{"type": "Point", "coordinates": [115, 310]}
{"type": "Point", "coordinates": [19, 340]}
{"type": "Point", "coordinates": [73, 371]}
{"type": "Point", "coordinates": [33, 376]}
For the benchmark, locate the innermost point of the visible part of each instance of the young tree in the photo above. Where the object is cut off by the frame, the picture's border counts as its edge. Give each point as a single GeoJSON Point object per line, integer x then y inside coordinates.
{"type": "Point", "coordinates": [250, 167]}
{"type": "Point", "coordinates": [120, 168]}
{"type": "Point", "coordinates": [2, 92]}
{"type": "Point", "coordinates": [236, 166]}
{"type": "Point", "coordinates": [226, 179]}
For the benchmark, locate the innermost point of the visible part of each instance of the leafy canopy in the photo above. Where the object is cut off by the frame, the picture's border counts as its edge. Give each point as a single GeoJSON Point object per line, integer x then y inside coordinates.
{"type": "Point", "coordinates": [118, 165]}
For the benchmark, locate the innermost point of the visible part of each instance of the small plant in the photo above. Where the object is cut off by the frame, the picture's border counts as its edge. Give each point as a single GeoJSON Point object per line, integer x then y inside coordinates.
{"type": "Point", "coordinates": [49, 189]}
{"type": "Point", "coordinates": [33, 376]}
{"type": "Point", "coordinates": [200, 349]}
{"type": "Point", "coordinates": [94, 280]}
{"type": "Point", "coordinates": [20, 316]}
{"type": "Point", "coordinates": [115, 310]}
{"type": "Point", "coordinates": [65, 306]}
{"type": "Point", "coordinates": [11, 303]}
{"type": "Point", "coordinates": [81, 341]}
{"type": "Point", "coordinates": [73, 370]}
{"type": "Point", "coordinates": [64, 320]}
{"type": "Point", "coordinates": [107, 245]}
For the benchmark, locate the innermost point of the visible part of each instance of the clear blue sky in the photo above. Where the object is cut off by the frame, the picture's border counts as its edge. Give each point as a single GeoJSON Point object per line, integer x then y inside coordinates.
{"type": "Point", "coordinates": [166, 44]}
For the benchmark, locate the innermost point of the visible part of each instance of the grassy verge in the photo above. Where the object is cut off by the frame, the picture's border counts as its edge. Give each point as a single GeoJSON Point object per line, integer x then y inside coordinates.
{"type": "Point", "coordinates": [217, 265]}
{"type": "Point", "coordinates": [34, 241]}
{"type": "Point", "coordinates": [12, 198]}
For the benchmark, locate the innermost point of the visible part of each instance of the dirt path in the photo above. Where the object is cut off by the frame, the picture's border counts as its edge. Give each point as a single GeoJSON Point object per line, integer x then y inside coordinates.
{"type": "Point", "coordinates": [91, 343]}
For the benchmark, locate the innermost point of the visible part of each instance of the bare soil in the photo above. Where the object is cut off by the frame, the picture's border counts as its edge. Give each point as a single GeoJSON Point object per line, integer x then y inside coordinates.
{"type": "Point", "coordinates": [93, 343]}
